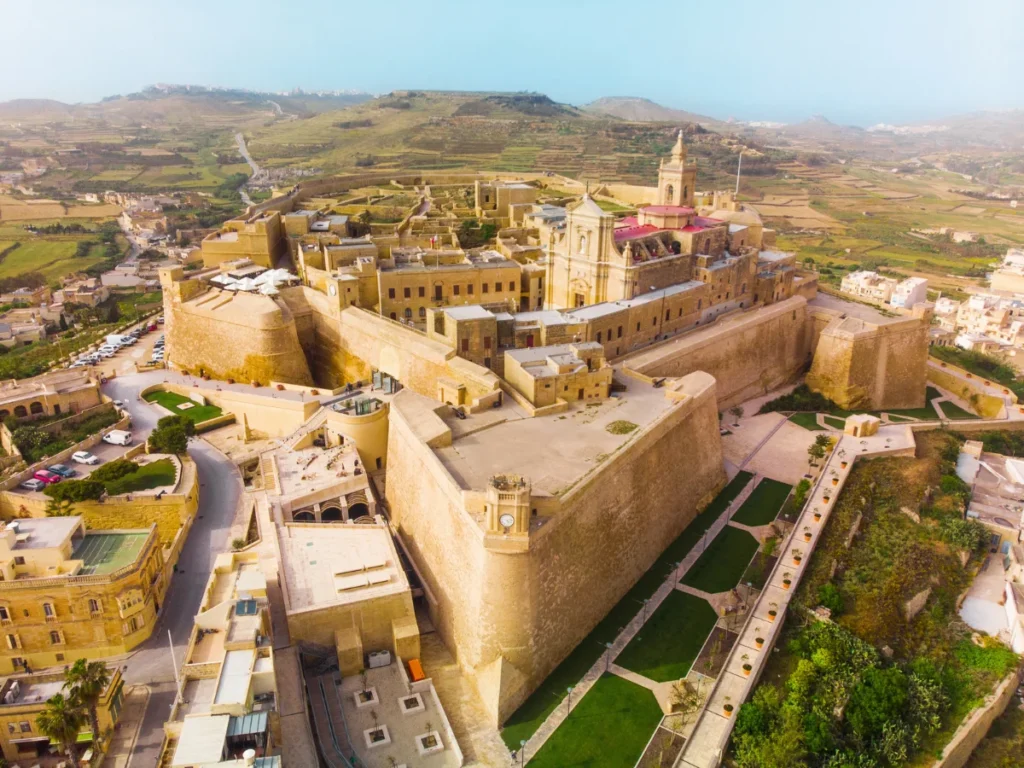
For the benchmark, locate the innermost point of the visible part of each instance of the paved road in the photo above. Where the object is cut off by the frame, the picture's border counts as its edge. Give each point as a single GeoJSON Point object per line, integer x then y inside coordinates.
{"type": "Point", "coordinates": [220, 489]}
{"type": "Point", "coordinates": [256, 170]}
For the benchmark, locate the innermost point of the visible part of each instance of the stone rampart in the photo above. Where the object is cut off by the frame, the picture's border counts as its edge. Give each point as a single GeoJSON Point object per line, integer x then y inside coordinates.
{"type": "Point", "coordinates": [749, 354]}
{"type": "Point", "coordinates": [512, 615]}
{"type": "Point", "coordinates": [974, 727]}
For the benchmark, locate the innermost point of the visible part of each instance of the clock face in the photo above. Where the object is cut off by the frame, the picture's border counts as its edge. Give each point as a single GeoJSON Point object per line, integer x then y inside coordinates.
{"type": "Point", "coordinates": [507, 520]}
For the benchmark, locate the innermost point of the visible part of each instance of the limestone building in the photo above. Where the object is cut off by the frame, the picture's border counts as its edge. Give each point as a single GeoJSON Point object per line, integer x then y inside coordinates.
{"type": "Point", "coordinates": [23, 698]}
{"type": "Point", "coordinates": [69, 593]}
{"type": "Point", "coordinates": [50, 394]}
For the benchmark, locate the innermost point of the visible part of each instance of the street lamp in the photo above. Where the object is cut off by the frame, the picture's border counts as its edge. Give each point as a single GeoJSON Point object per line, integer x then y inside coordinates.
{"type": "Point", "coordinates": [608, 657]}
{"type": "Point", "coordinates": [522, 751]}
{"type": "Point", "coordinates": [568, 700]}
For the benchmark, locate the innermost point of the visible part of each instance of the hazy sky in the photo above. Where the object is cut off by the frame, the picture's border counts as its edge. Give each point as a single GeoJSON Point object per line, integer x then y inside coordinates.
{"type": "Point", "coordinates": [854, 61]}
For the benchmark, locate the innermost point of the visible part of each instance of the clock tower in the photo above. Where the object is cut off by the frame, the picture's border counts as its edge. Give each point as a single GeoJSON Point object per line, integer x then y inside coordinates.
{"type": "Point", "coordinates": [508, 505]}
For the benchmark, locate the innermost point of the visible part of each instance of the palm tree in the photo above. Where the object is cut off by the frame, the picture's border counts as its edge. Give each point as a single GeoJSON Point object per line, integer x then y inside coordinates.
{"type": "Point", "coordinates": [86, 681]}
{"type": "Point", "coordinates": [62, 719]}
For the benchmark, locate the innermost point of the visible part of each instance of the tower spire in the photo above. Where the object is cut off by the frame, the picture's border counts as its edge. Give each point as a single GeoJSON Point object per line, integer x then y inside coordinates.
{"type": "Point", "coordinates": [679, 150]}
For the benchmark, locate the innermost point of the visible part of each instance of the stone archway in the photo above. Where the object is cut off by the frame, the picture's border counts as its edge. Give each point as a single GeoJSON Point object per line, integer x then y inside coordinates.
{"type": "Point", "coordinates": [357, 510]}
{"type": "Point", "coordinates": [36, 408]}
{"type": "Point", "coordinates": [20, 411]}
{"type": "Point", "coordinates": [304, 516]}
{"type": "Point", "coordinates": [331, 514]}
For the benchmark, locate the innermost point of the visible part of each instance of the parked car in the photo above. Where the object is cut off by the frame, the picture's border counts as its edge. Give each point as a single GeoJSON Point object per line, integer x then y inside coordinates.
{"type": "Point", "coordinates": [118, 437]}
{"type": "Point", "coordinates": [160, 319]}
{"type": "Point", "coordinates": [46, 476]}
{"type": "Point", "coordinates": [33, 485]}
{"type": "Point", "coordinates": [84, 457]}
{"type": "Point", "coordinates": [151, 327]}
{"type": "Point", "coordinates": [119, 403]}
{"type": "Point", "coordinates": [63, 470]}
{"type": "Point", "coordinates": [106, 352]}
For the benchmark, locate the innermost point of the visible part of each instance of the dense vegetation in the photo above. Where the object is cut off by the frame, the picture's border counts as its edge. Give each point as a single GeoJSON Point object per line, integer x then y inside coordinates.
{"type": "Point", "coordinates": [878, 683]}
{"type": "Point", "coordinates": [171, 435]}
{"type": "Point", "coordinates": [800, 399]}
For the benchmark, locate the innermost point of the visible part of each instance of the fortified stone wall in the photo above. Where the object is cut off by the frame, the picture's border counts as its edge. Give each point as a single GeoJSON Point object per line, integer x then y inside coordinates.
{"type": "Point", "coordinates": [748, 354]}
{"type": "Point", "coordinates": [246, 337]}
{"type": "Point", "coordinates": [860, 365]}
{"type": "Point", "coordinates": [511, 615]}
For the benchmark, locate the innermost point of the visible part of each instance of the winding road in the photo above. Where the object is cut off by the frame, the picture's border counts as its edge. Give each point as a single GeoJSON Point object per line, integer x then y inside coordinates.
{"type": "Point", "coordinates": [220, 489]}
{"type": "Point", "coordinates": [243, 150]}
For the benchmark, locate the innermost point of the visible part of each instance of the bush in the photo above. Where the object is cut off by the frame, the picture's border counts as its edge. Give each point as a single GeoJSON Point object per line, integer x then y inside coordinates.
{"type": "Point", "coordinates": [830, 597]}
{"type": "Point", "coordinates": [178, 420]}
{"type": "Point", "coordinates": [114, 470]}
{"type": "Point", "coordinates": [964, 534]}
{"type": "Point", "coordinates": [171, 439]}
{"type": "Point", "coordinates": [75, 490]}
{"type": "Point", "coordinates": [800, 399]}
{"type": "Point", "coordinates": [800, 493]}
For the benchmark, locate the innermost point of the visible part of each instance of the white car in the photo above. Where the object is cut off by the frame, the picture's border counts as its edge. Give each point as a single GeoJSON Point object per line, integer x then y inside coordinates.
{"type": "Point", "coordinates": [84, 457]}
{"type": "Point", "coordinates": [106, 352]}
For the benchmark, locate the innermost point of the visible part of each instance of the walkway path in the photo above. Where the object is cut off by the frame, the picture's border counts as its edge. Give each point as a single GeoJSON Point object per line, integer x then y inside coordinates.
{"type": "Point", "coordinates": [560, 713]}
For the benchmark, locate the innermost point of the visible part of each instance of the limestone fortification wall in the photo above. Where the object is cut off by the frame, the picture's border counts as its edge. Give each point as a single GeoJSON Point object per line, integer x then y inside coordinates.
{"type": "Point", "coordinates": [511, 616]}
{"type": "Point", "coordinates": [246, 337]}
{"type": "Point", "coordinates": [988, 406]}
{"type": "Point", "coordinates": [976, 725]}
{"type": "Point", "coordinates": [871, 367]}
{"type": "Point", "coordinates": [748, 354]}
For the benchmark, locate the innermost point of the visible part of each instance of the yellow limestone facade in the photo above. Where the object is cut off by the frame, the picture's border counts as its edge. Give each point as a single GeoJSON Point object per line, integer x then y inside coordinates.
{"type": "Point", "coordinates": [525, 516]}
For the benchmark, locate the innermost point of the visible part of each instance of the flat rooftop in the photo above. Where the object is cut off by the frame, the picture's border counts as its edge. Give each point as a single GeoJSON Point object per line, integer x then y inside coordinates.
{"type": "Point", "coordinates": [853, 309]}
{"type": "Point", "coordinates": [44, 532]}
{"type": "Point", "coordinates": [552, 451]}
{"type": "Point", "coordinates": [338, 564]}
{"type": "Point", "coordinates": [305, 472]}
{"type": "Point", "coordinates": [36, 692]}
{"type": "Point", "coordinates": [104, 552]}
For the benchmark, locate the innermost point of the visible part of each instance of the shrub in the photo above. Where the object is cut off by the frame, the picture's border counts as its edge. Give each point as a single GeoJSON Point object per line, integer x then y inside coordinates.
{"type": "Point", "coordinates": [830, 597]}
{"type": "Point", "coordinates": [75, 490]}
{"type": "Point", "coordinates": [621, 427]}
{"type": "Point", "coordinates": [237, 543]}
{"type": "Point", "coordinates": [800, 399]}
{"type": "Point", "coordinates": [178, 420]}
{"type": "Point", "coordinates": [800, 493]}
{"type": "Point", "coordinates": [964, 534]}
{"type": "Point", "coordinates": [169, 439]}
{"type": "Point", "coordinates": [114, 470]}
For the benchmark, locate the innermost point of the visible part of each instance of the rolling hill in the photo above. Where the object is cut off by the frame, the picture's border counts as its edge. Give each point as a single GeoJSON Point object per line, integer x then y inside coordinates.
{"type": "Point", "coordinates": [640, 110]}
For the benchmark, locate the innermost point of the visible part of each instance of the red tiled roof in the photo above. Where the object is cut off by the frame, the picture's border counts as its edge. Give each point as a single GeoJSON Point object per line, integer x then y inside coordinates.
{"type": "Point", "coordinates": [677, 209]}
{"type": "Point", "coordinates": [692, 228]}
{"type": "Point", "coordinates": [628, 233]}
{"type": "Point", "coordinates": [629, 221]}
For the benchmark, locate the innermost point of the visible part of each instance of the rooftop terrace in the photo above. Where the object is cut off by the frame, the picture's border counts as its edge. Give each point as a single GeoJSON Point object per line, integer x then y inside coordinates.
{"type": "Point", "coordinates": [105, 552]}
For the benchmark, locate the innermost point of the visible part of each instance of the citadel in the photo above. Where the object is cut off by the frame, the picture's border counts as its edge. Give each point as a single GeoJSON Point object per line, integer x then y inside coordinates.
{"type": "Point", "coordinates": [534, 418]}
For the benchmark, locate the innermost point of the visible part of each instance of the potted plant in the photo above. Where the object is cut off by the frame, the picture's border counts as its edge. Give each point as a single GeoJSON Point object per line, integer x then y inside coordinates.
{"type": "Point", "coordinates": [280, 387]}
{"type": "Point", "coordinates": [826, 498]}
{"type": "Point", "coordinates": [817, 514]}
{"type": "Point", "coordinates": [759, 641]}
{"type": "Point", "coordinates": [835, 478]}
{"type": "Point", "coordinates": [727, 707]}
{"type": "Point", "coordinates": [746, 665]}
{"type": "Point", "coordinates": [797, 556]}
{"type": "Point", "coordinates": [807, 533]}
{"type": "Point", "coordinates": [786, 580]}
{"type": "Point", "coordinates": [773, 611]}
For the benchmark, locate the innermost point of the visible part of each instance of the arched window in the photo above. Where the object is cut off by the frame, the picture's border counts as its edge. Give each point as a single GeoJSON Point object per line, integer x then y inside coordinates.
{"type": "Point", "coordinates": [583, 243]}
{"type": "Point", "coordinates": [686, 195]}
{"type": "Point", "coordinates": [669, 192]}
{"type": "Point", "coordinates": [20, 410]}
{"type": "Point", "coordinates": [423, 312]}
{"type": "Point", "coordinates": [36, 407]}
{"type": "Point", "coordinates": [408, 313]}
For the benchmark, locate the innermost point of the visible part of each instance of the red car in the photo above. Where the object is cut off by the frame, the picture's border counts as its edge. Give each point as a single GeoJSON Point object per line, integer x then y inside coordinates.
{"type": "Point", "coordinates": [46, 476]}
{"type": "Point", "coordinates": [151, 327]}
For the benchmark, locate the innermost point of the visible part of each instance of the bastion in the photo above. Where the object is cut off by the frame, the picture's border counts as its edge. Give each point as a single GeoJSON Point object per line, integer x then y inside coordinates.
{"type": "Point", "coordinates": [528, 530]}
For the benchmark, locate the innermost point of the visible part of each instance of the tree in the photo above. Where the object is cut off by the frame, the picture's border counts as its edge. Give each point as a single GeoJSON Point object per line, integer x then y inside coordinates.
{"type": "Point", "coordinates": [59, 507]}
{"type": "Point", "coordinates": [168, 440]}
{"type": "Point", "coordinates": [76, 490]}
{"type": "Point", "coordinates": [63, 322]}
{"type": "Point", "coordinates": [814, 453]}
{"type": "Point", "coordinates": [113, 313]}
{"type": "Point", "coordinates": [61, 720]}
{"type": "Point", "coordinates": [85, 682]}
{"type": "Point", "coordinates": [880, 697]}
{"type": "Point", "coordinates": [737, 413]}
{"type": "Point", "coordinates": [178, 420]}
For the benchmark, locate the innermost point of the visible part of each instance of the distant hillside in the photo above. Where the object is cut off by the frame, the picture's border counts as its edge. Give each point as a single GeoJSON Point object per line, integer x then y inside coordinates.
{"type": "Point", "coordinates": [639, 110]}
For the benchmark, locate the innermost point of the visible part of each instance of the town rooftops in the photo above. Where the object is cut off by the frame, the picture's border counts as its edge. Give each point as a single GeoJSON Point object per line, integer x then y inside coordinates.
{"type": "Point", "coordinates": [468, 312]}
{"type": "Point", "coordinates": [103, 552]}
{"type": "Point", "coordinates": [42, 532]}
{"type": "Point", "coordinates": [201, 741]}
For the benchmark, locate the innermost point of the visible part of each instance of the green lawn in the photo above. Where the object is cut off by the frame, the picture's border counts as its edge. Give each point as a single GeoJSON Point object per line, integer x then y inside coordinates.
{"type": "Point", "coordinates": [722, 565]}
{"type": "Point", "coordinates": [528, 718]}
{"type": "Point", "coordinates": [148, 476]}
{"type": "Point", "coordinates": [763, 504]}
{"type": "Point", "coordinates": [670, 641]}
{"type": "Point", "coordinates": [955, 412]}
{"type": "Point", "coordinates": [835, 422]}
{"type": "Point", "coordinates": [807, 421]}
{"type": "Point", "coordinates": [54, 258]}
{"type": "Point", "coordinates": [609, 728]}
{"type": "Point", "coordinates": [173, 402]}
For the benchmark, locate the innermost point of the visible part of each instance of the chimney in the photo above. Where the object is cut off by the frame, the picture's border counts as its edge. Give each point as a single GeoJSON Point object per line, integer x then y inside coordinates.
{"type": "Point", "coordinates": [249, 756]}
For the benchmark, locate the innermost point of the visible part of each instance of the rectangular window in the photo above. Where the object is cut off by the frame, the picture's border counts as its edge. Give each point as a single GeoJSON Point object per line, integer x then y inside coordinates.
{"type": "Point", "coordinates": [487, 362]}
{"type": "Point", "coordinates": [469, 289]}
{"type": "Point", "coordinates": [486, 288]}
{"type": "Point", "coordinates": [94, 605]}
{"type": "Point", "coordinates": [511, 285]}
{"type": "Point", "coordinates": [423, 291]}
{"type": "Point", "coordinates": [55, 638]}
{"type": "Point", "coordinates": [391, 293]}
{"type": "Point", "coordinates": [4, 615]}
{"type": "Point", "coordinates": [668, 313]}
{"type": "Point", "coordinates": [465, 345]}
{"type": "Point", "coordinates": [455, 290]}
{"type": "Point", "coordinates": [638, 325]}
{"type": "Point", "coordinates": [12, 642]}
{"type": "Point", "coordinates": [620, 333]}
{"type": "Point", "coordinates": [654, 320]}
{"type": "Point", "coordinates": [26, 726]}
{"type": "Point", "coordinates": [598, 337]}
{"type": "Point", "coordinates": [438, 292]}
{"type": "Point", "coordinates": [19, 560]}
{"type": "Point", "coordinates": [487, 342]}
{"type": "Point", "coordinates": [407, 292]}
{"type": "Point", "coordinates": [48, 610]}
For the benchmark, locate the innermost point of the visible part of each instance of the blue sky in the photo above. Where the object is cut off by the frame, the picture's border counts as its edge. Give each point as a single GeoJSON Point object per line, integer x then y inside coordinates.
{"type": "Point", "coordinates": [857, 62]}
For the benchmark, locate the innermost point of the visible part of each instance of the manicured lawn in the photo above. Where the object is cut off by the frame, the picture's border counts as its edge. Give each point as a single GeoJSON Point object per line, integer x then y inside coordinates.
{"type": "Point", "coordinates": [173, 402]}
{"type": "Point", "coordinates": [147, 476]}
{"type": "Point", "coordinates": [720, 567]}
{"type": "Point", "coordinates": [835, 421]}
{"type": "Point", "coordinates": [955, 412]}
{"type": "Point", "coordinates": [528, 718]}
{"type": "Point", "coordinates": [666, 646]}
{"type": "Point", "coordinates": [609, 728]}
{"type": "Point", "coordinates": [763, 504]}
{"type": "Point", "coordinates": [807, 421]}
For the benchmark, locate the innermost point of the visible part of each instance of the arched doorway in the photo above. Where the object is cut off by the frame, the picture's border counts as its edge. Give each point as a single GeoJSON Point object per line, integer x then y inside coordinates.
{"type": "Point", "coordinates": [330, 515]}
{"type": "Point", "coordinates": [305, 516]}
{"type": "Point", "coordinates": [358, 510]}
{"type": "Point", "coordinates": [36, 407]}
{"type": "Point", "coordinates": [20, 411]}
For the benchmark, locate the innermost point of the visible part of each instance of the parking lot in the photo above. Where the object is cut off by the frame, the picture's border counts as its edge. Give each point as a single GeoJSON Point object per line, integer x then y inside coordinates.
{"type": "Point", "coordinates": [126, 360]}
{"type": "Point", "coordinates": [103, 451]}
